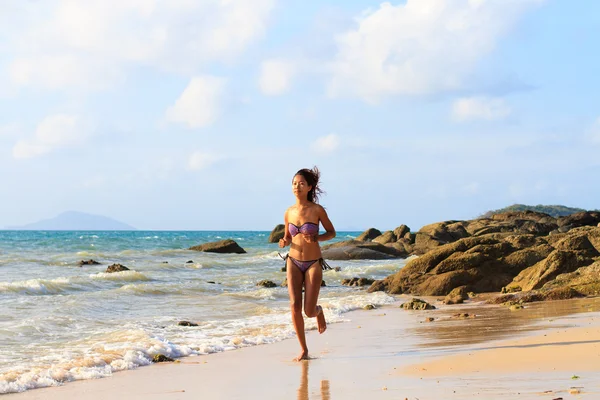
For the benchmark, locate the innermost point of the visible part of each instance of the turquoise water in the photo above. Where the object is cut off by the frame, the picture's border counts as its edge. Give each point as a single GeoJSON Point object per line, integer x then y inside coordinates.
{"type": "Point", "coordinates": [60, 322]}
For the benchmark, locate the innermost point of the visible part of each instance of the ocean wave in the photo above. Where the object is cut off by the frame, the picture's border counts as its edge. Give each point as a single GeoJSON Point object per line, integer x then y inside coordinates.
{"type": "Point", "coordinates": [126, 276]}
{"type": "Point", "coordinates": [39, 286]}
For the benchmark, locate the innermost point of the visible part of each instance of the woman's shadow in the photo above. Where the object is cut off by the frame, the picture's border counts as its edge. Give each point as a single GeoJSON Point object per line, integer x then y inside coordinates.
{"type": "Point", "coordinates": [303, 392]}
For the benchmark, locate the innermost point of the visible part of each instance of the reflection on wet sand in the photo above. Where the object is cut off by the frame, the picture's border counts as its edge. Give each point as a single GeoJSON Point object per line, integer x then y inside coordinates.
{"type": "Point", "coordinates": [303, 392]}
{"type": "Point", "coordinates": [496, 322]}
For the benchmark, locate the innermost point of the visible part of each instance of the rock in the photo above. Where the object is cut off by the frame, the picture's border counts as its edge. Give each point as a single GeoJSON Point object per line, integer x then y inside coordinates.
{"type": "Point", "coordinates": [359, 250]}
{"type": "Point", "coordinates": [369, 234]}
{"type": "Point", "coordinates": [277, 233]}
{"type": "Point", "coordinates": [158, 358]}
{"type": "Point", "coordinates": [457, 295]}
{"type": "Point", "coordinates": [463, 315]}
{"type": "Point", "coordinates": [584, 280]}
{"type": "Point", "coordinates": [369, 307]}
{"type": "Point", "coordinates": [417, 304]}
{"type": "Point", "coordinates": [424, 242]}
{"type": "Point", "coordinates": [116, 268]}
{"type": "Point", "coordinates": [515, 307]}
{"type": "Point", "coordinates": [186, 323]}
{"type": "Point", "coordinates": [357, 281]}
{"type": "Point", "coordinates": [401, 231]}
{"type": "Point", "coordinates": [189, 262]}
{"type": "Point", "coordinates": [558, 262]}
{"type": "Point", "coordinates": [267, 283]}
{"type": "Point", "coordinates": [386, 237]}
{"type": "Point", "coordinates": [211, 282]}
{"type": "Point", "coordinates": [88, 262]}
{"type": "Point", "coordinates": [222, 246]}
{"type": "Point", "coordinates": [584, 218]}
{"type": "Point", "coordinates": [429, 319]}
{"type": "Point", "coordinates": [562, 293]}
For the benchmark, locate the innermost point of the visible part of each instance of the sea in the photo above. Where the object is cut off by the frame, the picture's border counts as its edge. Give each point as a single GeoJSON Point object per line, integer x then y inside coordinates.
{"type": "Point", "coordinates": [61, 322]}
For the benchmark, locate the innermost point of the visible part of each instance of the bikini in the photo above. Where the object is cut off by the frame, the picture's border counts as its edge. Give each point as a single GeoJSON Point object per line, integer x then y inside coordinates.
{"type": "Point", "coordinates": [308, 228]}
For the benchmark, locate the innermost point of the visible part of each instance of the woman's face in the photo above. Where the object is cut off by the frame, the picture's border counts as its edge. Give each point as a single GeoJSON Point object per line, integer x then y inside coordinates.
{"type": "Point", "coordinates": [300, 187]}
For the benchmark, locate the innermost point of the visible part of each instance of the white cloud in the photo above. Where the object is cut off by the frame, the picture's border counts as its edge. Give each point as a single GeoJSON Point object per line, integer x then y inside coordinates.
{"type": "Point", "coordinates": [70, 43]}
{"type": "Point", "coordinates": [275, 77]}
{"type": "Point", "coordinates": [200, 160]}
{"type": "Point", "coordinates": [486, 108]}
{"type": "Point", "coordinates": [198, 105]}
{"type": "Point", "coordinates": [11, 129]}
{"type": "Point", "coordinates": [420, 47]}
{"type": "Point", "coordinates": [326, 144]}
{"type": "Point", "coordinates": [54, 132]}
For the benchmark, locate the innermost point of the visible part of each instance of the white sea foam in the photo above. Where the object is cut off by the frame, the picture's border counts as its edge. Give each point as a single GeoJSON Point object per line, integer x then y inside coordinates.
{"type": "Point", "coordinates": [128, 276]}
{"type": "Point", "coordinates": [37, 286]}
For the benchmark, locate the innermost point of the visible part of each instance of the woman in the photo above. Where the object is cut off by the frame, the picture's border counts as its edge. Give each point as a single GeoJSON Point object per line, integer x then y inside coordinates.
{"type": "Point", "coordinates": [304, 262]}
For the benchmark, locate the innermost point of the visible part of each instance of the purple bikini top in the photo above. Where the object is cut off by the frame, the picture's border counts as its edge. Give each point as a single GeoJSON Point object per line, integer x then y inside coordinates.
{"type": "Point", "coordinates": [308, 228]}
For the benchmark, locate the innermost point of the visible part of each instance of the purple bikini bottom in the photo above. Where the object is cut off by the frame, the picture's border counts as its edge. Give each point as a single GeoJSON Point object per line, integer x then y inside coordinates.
{"type": "Point", "coordinates": [303, 266]}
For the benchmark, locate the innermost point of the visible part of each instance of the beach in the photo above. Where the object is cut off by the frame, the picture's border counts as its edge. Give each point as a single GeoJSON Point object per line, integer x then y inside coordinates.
{"type": "Point", "coordinates": [548, 350]}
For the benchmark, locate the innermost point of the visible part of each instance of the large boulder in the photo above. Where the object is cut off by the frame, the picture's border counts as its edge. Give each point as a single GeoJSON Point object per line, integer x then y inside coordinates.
{"type": "Point", "coordinates": [369, 234]}
{"type": "Point", "coordinates": [585, 218]}
{"type": "Point", "coordinates": [386, 237]}
{"type": "Point", "coordinates": [277, 233]}
{"type": "Point", "coordinates": [222, 246]}
{"type": "Point", "coordinates": [359, 250]}
{"type": "Point", "coordinates": [401, 231]}
{"type": "Point", "coordinates": [584, 280]}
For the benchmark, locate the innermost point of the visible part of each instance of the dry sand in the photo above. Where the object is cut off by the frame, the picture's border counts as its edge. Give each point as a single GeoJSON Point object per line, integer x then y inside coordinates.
{"type": "Point", "coordinates": [388, 353]}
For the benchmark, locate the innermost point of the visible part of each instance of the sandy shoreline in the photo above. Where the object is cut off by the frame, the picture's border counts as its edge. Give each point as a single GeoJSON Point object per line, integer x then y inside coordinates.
{"type": "Point", "coordinates": [388, 353]}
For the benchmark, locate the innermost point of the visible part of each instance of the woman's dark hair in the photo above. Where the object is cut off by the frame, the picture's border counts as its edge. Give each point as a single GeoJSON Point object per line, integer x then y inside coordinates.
{"type": "Point", "coordinates": [312, 179]}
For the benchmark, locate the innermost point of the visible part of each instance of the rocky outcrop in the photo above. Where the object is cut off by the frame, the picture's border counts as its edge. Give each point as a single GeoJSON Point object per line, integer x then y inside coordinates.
{"type": "Point", "coordinates": [386, 237]}
{"type": "Point", "coordinates": [277, 233]}
{"type": "Point", "coordinates": [161, 358]}
{"type": "Point", "coordinates": [222, 246]}
{"type": "Point", "coordinates": [116, 268]}
{"type": "Point", "coordinates": [586, 218]}
{"type": "Point", "coordinates": [266, 283]}
{"type": "Point", "coordinates": [584, 280]}
{"type": "Point", "coordinates": [457, 295]}
{"type": "Point", "coordinates": [359, 250]}
{"type": "Point", "coordinates": [187, 323]}
{"type": "Point", "coordinates": [369, 234]}
{"type": "Point", "coordinates": [88, 262]}
{"type": "Point", "coordinates": [417, 304]}
{"type": "Point", "coordinates": [492, 261]}
{"type": "Point", "coordinates": [356, 281]}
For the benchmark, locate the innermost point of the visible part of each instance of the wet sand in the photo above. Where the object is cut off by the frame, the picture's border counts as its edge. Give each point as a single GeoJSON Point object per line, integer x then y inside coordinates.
{"type": "Point", "coordinates": [389, 353]}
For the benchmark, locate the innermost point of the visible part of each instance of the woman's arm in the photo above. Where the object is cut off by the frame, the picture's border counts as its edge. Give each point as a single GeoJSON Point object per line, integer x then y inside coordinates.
{"type": "Point", "coordinates": [287, 238]}
{"type": "Point", "coordinates": [327, 225]}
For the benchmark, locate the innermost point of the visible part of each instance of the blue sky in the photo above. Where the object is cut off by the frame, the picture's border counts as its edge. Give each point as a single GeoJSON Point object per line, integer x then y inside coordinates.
{"type": "Point", "coordinates": [195, 115]}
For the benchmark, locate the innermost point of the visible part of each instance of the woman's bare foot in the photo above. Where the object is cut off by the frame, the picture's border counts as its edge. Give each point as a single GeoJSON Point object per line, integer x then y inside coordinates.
{"type": "Point", "coordinates": [321, 323]}
{"type": "Point", "coordinates": [303, 356]}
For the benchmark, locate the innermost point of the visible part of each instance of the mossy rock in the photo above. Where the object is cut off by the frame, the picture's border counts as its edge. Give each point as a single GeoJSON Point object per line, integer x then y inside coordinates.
{"type": "Point", "coordinates": [417, 304]}
{"type": "Point", "coordinates": [158, 358]}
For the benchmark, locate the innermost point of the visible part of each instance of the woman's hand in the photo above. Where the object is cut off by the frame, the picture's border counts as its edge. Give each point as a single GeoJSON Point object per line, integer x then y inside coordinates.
{"type": "Point", "coordinates": [283, 242]}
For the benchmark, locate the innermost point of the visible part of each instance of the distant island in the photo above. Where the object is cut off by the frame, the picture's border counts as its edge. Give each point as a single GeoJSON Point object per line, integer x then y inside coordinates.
{"type": "Point", "coordinates": [554, 211]}
{"type": "Point", "coordinates": [76, 221]}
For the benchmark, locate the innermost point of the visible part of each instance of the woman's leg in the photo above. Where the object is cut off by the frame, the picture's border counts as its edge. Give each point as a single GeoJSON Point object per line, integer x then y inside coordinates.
{"type": "Point", "coordinates": [312, 285]}
{"type": "Point", "coordinates": [295, 280]}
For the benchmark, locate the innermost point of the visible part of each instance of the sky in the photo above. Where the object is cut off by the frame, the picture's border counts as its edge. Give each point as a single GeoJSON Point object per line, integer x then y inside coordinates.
{"type": "Point", "coordinates": [196, 114]}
